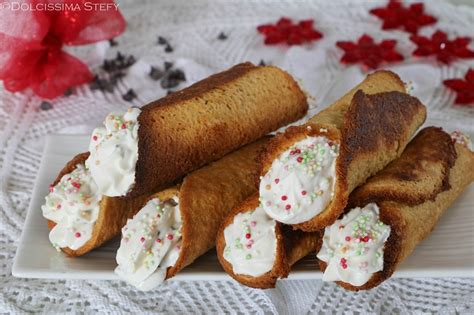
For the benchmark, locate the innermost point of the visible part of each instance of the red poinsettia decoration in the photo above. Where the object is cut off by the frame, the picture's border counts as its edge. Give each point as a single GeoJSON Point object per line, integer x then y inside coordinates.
{"type": "Point", "coordinates": [32, 38]}
{"type": "Point", "coordinates": [397, 16]}
{"type": "Point", "coordinates": [442, 47]}
{"type": "Point", "coordinates": [285, 31]}
{"type": "Point", "coordinates": [463, 88]}
{"type": "Point", "coordinates": [369, 53]}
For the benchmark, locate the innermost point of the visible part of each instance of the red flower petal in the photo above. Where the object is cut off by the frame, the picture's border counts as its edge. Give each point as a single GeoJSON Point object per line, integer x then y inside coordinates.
{"type": "Point", "coordinates": [470, 75]}
{"type": "Point", "coordinates": [463, 88]}
{"type": "Point", "coordinates": [287, 31]}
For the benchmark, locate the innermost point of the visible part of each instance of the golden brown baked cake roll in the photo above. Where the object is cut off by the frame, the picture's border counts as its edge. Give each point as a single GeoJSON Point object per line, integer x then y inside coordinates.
{"type": "Point", "coordinates": [395, 210]}
{"type": "Point", "coordinates": [148, 149]}
{"type": "Point", "coordinates": [179, 224]}
{"type": "Point", "coordinates": [79, 218]}
{"type": "Point", "coordinates": [256, 250]}
{"type": "Point", "coordinates": [308, 172]}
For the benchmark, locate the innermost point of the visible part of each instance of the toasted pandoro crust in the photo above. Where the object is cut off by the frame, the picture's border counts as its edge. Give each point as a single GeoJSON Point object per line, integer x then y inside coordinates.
{"type": "Point", "coordinates": [291, 246]}
{"type": "Point", "coordinates": [207, 195]}
{"type": "Point", "coordinates": [412, 193]}
{"type": "Point", "coordinates": [113, 213]}
{"type": "Point", "coordinates": [199, 124]}
{"type": "Point", "coordinates": [372, 123]}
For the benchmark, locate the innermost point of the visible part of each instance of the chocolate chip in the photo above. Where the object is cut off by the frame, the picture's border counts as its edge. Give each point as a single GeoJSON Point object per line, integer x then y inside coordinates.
{"type": "Point", "coordinates": [129, 96]}
{"type": "Point", "coordinates": [168, 48]}
{"type": "Point", "coordinates": [222, 36]}
{"type": "Point", "coordinates": [172, 79]}
{"type": "Point", "coordinates": [162, 40]}
{"type": "Point", "coordinates": [156, 73]}
{"type": "Point", "coordinates": [46, 105]}
{"type": "Point", "coordinates": [168, 65]}
{"type": "Point", "coordinates": [113, 42]}
{"type": "Point", "coordinates": [262, 63]}
{"type": "Point", "coordinates": [178, 74]}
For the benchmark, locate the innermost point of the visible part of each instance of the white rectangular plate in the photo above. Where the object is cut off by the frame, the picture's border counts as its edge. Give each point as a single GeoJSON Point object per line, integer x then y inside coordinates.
{"type": "Point", "coordinates": [447, 252]}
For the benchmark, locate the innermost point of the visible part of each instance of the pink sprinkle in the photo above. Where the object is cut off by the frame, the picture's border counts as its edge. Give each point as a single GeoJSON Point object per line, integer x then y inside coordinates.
{"type": "Point", "coordinates": [249, 246]}
{"type": "Point", "coordinates": [277, 180]}
{"type": "Point", "coordinates": [365, 239]}
{"type": "Point", "coordinates": [284, 197]}
{"type": "Point", "coordinates": [158, 240]}
{"type": "Point", "coordinates": [344, 266]}
{"type": "Point", "coordinates": [251, 242]}
{"type": "Point", "coordinates": [348, 238]}
{"type": "Point", "coordinates": [253, 223]}
{"type": "Point", "coordinates": [292, 152]}
{"type": "Point", "coordinates": [76, 185]}
{"type": "Point", "coordinates": [77, 234]}
{"type": "Point", "coordinates": [124, 126]}
{"type": "Point", "coordinates": [299, 159]}
{"type": "Point", "coordinates": [288, 207]}
{"type": "Point", "coordinates": [170, 237]}
{"type": "Point", "coordinates": [58, 206]}
{"type": "Point", "coordinates": [343, 260]}
{"type": "Point", "coordinates": [297, 151]}
{"type": "Point", "coordinates": [142, 239]}
{"type": "Point", "coordinates": [303, 192]}
{"type": "Point", "coordinates": [247, 235]}
{"type": "Point", "coordinates": [94, 138]}
{"type": "Point", "coordinates": [51, 188]}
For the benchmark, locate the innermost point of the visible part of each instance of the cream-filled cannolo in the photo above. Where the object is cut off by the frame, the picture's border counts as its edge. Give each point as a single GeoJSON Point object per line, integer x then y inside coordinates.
{"type": "Point", "coordinates": [79, 217]}
{"type": "Point", "coordinates": [179, 224]}
{"type": "Point", "coordinates": [308, 172]}
{"type": "Point", "coordinates": [256, 250]}
{"type": "Point", "coordinates": [395, 210]}
{"type": "Point", "coordinates": [148, 149]}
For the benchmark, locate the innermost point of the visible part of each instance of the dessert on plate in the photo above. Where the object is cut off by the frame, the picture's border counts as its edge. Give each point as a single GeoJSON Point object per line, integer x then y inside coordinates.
{"type": "Point", "coordinates": [179, 224]}
{"type": "Point", "coordinates": [308, 172]}
{"type": "Point", "coordinates": [148, 149]}
{"type": "Point", "coordinates": [79, 217]}
{"type": "Point", "coordinates": [256, 250]}
{"type": "Point", "coordinates": [395, 210]}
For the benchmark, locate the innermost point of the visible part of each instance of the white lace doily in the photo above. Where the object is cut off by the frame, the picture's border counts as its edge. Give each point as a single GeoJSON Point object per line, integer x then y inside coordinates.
{"type": "Point", "coordinates": [192, 29]}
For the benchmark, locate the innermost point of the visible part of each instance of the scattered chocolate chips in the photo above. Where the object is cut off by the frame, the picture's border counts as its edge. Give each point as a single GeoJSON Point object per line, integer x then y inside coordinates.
{"type": "Point", "coordinates": [172, 79]}
{"type": "Point", "coordinates": [45, 105]}
{"type": "Point", "coordinates": [262, 63]}
{"type": "Point", "coordinates": [115, 70]}
{"type": "Point", "coordinates": [156, 73]}
{"type": "Point", "coordinates": [222, 36]}
{"type": "Point", "coordinates": [168, 48]}
{"type": "Point", "coordinates": [162, 40]}
{"type": "Point", "coordinates": [130, 95]}
{"type": "Point", "coordinates": [113, 42]}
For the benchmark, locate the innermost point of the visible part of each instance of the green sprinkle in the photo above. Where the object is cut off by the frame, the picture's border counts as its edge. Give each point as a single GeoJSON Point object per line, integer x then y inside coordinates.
{"type": "Point", "coordinates": [249, 256]}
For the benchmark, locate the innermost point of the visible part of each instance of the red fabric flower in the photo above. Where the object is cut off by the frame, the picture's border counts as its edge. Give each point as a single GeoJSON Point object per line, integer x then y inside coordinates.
{"type": "Point", "coordinates": [285, 31]}
{"type": "Point", "coordinates": [31, 41]}
{"type": "Point", "coordinates": [444, 49]}
{"type": "Point", "coordinates": [410, 19]}
{"type": "Point", "coordinates": [463, 88]}
{"type": "Point", "coordinates": [369, 53]}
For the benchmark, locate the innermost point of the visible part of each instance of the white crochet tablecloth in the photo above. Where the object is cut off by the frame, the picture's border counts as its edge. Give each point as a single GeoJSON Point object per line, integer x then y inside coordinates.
{"type": "Point", "coordinates": [192, 29]}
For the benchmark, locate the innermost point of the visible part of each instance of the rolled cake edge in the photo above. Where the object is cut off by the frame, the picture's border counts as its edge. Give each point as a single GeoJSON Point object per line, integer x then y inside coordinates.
{"type": "Point", "coordinates": [400, 237]}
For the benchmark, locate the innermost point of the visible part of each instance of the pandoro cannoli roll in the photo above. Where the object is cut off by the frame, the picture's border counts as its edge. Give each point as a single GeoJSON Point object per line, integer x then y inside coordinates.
{"type": "Point", "coordinates": [395, 210]}
{"type": "Point", "coordinates": [308, 172]}
{"type": "Point", "coordinates": [148, 149]}
{"type": "Point", "coordinates": [79, 217]}
{"type": "Point", "coordinates": [256, 250]}
{"type": "Point", "coordinates": [179, 224]}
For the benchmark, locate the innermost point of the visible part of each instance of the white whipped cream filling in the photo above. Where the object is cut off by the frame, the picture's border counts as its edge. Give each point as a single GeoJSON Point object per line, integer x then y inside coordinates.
{"type": "Point", "coordinates": [462, 138]}
{"type": "Point", "coordinates": [353, 246]}
{"type": "Point", "coordinates": [251, 243]}
{"type": "Point", "coordinates": [300, 182]}
{"type": "Point", "coordinates": [151, 242]}
{"type": "Point", "coordinates": [73, 204]}
{"type": "Point", "coordinates": [114, 153]}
